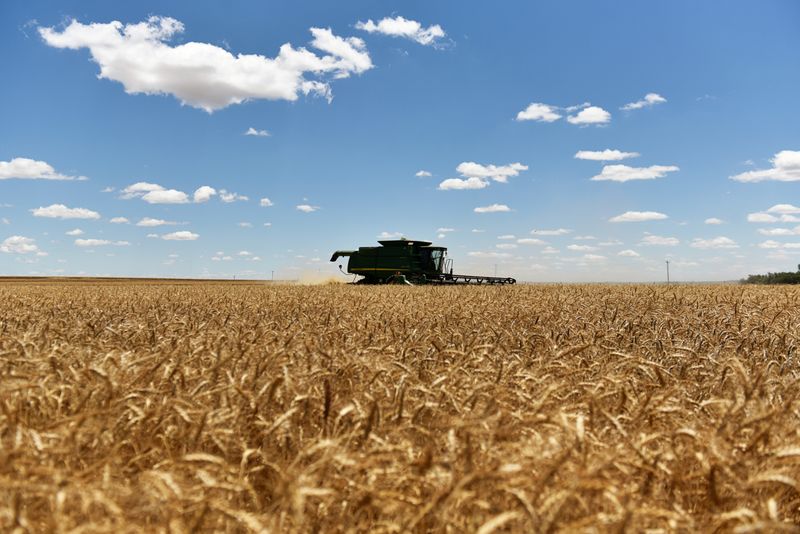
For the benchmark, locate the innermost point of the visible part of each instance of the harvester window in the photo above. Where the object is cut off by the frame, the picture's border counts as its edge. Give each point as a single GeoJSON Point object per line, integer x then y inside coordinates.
{"type": "Point", "coordinates": [437, 256]}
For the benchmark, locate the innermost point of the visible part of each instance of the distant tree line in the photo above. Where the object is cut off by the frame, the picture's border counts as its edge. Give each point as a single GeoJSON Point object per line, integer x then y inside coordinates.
{"type": "Point", "coordinates": [774, 278]}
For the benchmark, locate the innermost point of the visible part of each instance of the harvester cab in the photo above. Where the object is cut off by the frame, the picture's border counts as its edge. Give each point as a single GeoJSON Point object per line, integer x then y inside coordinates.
{"type": "Point", "coordinates": [418, 262]}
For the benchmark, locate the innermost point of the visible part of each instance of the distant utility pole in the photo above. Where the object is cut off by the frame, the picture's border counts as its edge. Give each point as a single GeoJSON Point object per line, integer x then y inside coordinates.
{"type": "Point", "coordinates": [667, 271]}
{"type": "Point", "coordinates": [273, 276]}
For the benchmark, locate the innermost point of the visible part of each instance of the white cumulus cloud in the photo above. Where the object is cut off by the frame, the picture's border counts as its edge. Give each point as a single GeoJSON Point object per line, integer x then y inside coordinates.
{"type": "Point", "coordinates": [624, 173]}
{"type": "Point", "coordinates": [265, 202]}
{"type": "Point", "coordinates": [60, 211]}
{"type": "Point", "coordinates": [205, 76]}
{"type": "Point", "coordinates": [784, 209]}
{"type": "Point", "coordinates": [628, 253]}
{"type": "Point", "coordinates": [638, 216]}
{"type": "Point", "coordinates": [306, 208]}
{"type": "Point", "coordinates": [650, 99]}
{"type": "Point", "coordinates": [478, 176]}
{"type": "Point", "coordinates": [713, 220]}
{"type": "Point", "coordinates": [785, 168]}
{"type": "Point", "coordinates": [138, 189]}
{"type": "Point", "coordinates": [166, 196]}
{"type": "Point", "coordinates": [17, 244]}
{"type": "Point", "coordinates": [31, 169]}
{"type": "Point", "coordinates": [422, 174]}
{"type": "Point", "coordinates": [493, 208]}
{"type": "Point", "coordinates": [75, 232]}
{"type": "Point", "coordinates": [498, 173]}
{"type": "Point", "coordinates": [458, 183]}
{"type": "Point", "coordinates": [402, 27]}
{"type": "Point", "coordinates": [119, 220]}
{"type": "Point", "coordinates": [590, 115]}
{"type": "Point", "coordinates": [605, 155]}
{"type": "Point", "coordinates": [203, 194]}
{"type": "Point", "coordinates": [539, 112]}
{"type": "Point", "coordinates": [183, 235]}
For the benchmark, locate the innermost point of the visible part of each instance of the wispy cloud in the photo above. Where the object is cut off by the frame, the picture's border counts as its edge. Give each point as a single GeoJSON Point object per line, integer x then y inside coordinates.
{"type": "Point", "coordinates": [531, 241]}
{"type": "Point", "coordinates": [406, 28]}
{"type": "Point", "coordinates": [657, 240]}
{"type": "Point", "coordinates": [390, 235]}
{"type": "Point", "coordinates": [490, 255]}
{"type": "Point", "coordinates": [581, 248]}
{"type": "Point", "coordinates": [649, 100]}
{"type": "Point", "coordinates": [493, 208]}
{"type": "Point", "coordinates": [777, 245]}
{"type": "Point", "coordinates": [257, 133]}
{"type": "Point", "coordinates": [716, 242]}
{"type": "Point", "coordinates": [229, 196]}
{"type": "Point", "coordinates": [624, 173]}
{"type": "Point", "coordinates": [761, 217]}
{"type": "Point", "coordinates": [557, 231]}
{"type": "Point", "coordinates": [605, 155]}
{"type": "Point", "coordinates": [99, 243]}
{"type": "Point", "coordinates": [638, 216]}
{"type": "Point", "coordinates": [149, 222]}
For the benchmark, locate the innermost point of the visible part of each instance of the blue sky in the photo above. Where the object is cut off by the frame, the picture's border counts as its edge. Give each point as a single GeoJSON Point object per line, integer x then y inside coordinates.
{"type": "Point", "coordinates": [684, 113]}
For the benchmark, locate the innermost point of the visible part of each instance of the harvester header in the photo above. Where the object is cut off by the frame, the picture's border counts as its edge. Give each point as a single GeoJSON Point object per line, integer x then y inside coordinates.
{"type": "Point", "coordinates": [407, 260]}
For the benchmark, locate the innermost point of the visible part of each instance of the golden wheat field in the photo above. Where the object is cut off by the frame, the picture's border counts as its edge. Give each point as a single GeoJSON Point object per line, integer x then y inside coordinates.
{"type": "Point", "coordinates": [182, 407]}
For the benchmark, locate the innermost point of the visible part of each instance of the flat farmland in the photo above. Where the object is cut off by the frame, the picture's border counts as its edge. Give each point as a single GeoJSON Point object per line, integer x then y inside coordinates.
{"type": "Point", "coordinates": [133, 406]}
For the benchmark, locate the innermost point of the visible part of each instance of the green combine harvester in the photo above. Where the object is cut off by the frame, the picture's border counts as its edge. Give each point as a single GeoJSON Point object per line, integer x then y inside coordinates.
{"type": "Point", "coordinates": [404, 261]}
